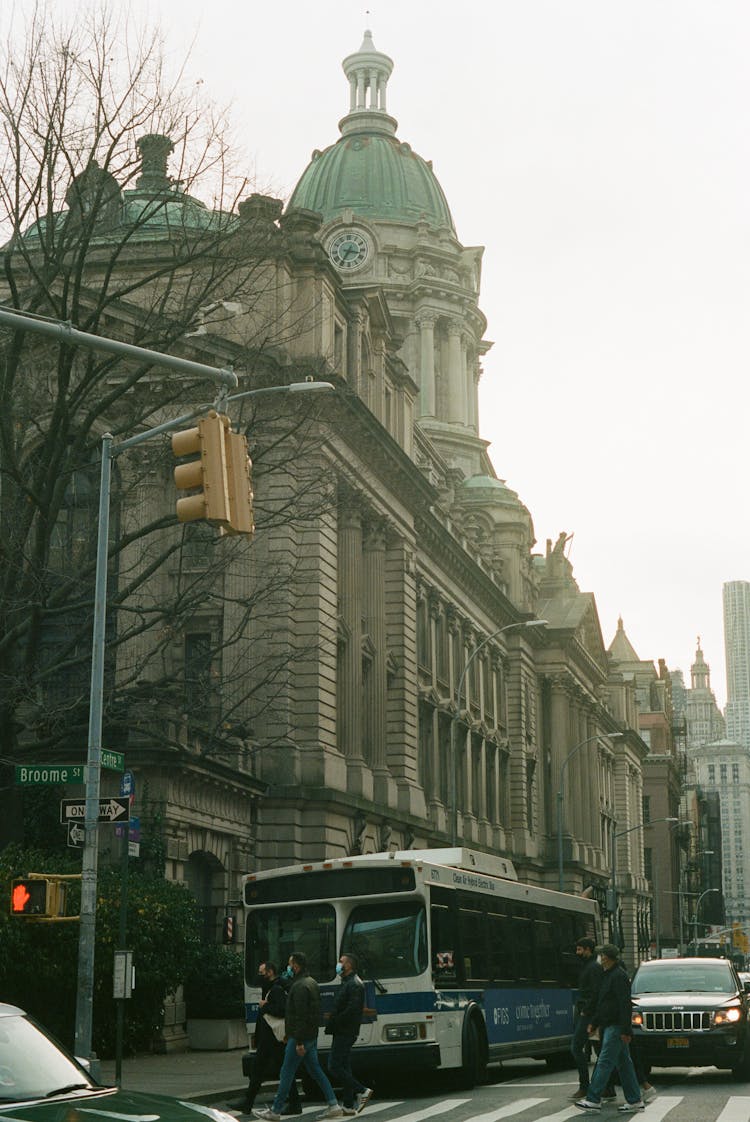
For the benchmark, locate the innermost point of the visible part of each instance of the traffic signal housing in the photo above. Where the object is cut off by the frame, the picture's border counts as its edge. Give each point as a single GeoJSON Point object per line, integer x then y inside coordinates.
{"type": "Point", "coordinates": [33, 897]}
{"type": "Point", "coordinates": [206, 475]}
{"type": "Point", "coordinates": [219, 476]}
{"type": "Point", "coordinates": [239, 478]}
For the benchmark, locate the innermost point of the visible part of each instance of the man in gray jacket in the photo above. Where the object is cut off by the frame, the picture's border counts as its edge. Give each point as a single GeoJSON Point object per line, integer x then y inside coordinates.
{"type": "Point", "coordinates": [302, 1020]}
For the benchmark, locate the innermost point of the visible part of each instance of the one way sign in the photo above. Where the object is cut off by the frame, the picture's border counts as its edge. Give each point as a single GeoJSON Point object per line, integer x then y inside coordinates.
{"type": "Point", "coordinates": [110, 810]}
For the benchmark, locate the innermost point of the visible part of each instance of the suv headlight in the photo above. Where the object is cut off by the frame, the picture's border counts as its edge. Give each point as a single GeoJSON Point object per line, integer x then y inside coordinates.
{"type": "Point", "coordinates": [728, 1016]}
{"type": "Point", "coordinates": [637, 1018]}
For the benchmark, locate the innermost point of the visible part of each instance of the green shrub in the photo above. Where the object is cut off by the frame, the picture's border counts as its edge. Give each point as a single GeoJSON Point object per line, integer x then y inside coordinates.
{"type": "Point", "coordinates": [38, 961]}
{"type": "Point", "coordinates": [215, 985]}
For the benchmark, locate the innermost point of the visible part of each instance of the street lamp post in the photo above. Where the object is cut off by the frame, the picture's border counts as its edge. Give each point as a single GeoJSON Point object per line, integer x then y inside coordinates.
{"type": "Point", "coordinates": [86, 939]}
{"type": "Point", "coordinates": [576, 748]}
{"type": "Point", "coordinates": [695, 914]}
{"type": "Point", "coordinates": [455, 718]}
{"type": "Point", "coordinates": [612, 902]}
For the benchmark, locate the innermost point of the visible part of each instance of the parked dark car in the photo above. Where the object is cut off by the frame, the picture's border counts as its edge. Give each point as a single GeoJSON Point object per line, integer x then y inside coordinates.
{"type": "Point", "coordinates": [691, 1012]}
{"type": "Point", "coordinates": [40, 1082]}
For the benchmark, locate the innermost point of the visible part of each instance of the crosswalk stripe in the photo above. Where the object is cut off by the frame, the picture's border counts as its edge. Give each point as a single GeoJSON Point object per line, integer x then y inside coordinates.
{"type": "Point", "coordinates": [736, 1110]}
{"type": "Point", "coordinates": [658, 1108]}
{"type": "Point", "coordinates": [436, 1108]}
{"type": "Point", "coordinates": [374, 1107]}
{"type": "Point", "coordinates": [506, 1111]}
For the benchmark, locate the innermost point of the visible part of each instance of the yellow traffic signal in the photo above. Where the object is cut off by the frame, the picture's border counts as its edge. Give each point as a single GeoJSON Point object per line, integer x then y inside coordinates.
{"type": "Point", "coordinates": [206, 475]}
{"type": "Point", "coordinates": [239, 477]}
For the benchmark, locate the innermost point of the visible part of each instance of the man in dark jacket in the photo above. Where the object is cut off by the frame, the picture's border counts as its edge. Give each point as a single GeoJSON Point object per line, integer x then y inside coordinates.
{"type": "Point", "coordinates": [302, 1020]}
{"type": "Point", "coordinates": [343, 1024]}
{"type": "Point", "coordinates": [589, 981]}
{"type": "Point", "coordinates": [612, 1017]}
{"type": "Point", "coordinates": [269, 1052]}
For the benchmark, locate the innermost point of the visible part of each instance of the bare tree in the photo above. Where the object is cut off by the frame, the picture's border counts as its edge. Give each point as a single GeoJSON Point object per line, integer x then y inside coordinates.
{"type": "Point", "coordinates": [106, 161]}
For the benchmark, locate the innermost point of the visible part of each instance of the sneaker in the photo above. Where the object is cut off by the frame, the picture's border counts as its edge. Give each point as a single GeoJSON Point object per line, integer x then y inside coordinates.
{"type": "Point", "coordinates": [628, 1108]}
{"type": "Point", "coordinates": [648, 1092]}
{"type": "Point", "coordinates": [333, 1111]}
{"type": "Point", "coordinates": [363, 1099]}
{"type": "Point", "coordinates": [268, 1114]}
{"type": "Point", "coordinates": [586, 1104]}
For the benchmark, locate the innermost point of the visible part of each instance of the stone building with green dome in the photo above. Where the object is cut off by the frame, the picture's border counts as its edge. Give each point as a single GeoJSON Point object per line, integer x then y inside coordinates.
{"type": "Point", "coordinates": [401, 698]}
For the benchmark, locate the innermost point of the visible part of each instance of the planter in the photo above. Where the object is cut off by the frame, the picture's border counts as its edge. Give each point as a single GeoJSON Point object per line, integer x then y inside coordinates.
{"type": "Point", "coordinates": [216, 1034]}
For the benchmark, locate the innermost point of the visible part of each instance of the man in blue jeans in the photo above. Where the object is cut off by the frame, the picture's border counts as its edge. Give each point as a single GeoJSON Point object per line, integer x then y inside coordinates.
{"type": "Point", "coordinates": [343, 1025]}
{"type": "Point", "coordinates": [301, 1023]}
{"type": "Point", "coordinates": [612, 1017]}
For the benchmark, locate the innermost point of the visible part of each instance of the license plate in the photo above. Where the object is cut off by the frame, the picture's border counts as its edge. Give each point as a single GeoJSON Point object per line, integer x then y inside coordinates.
{"type": "Point", "coordinates": [678, 1042]}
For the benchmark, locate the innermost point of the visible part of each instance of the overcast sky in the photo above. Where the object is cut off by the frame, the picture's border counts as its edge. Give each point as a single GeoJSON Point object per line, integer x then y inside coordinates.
{"type": "Point", "coordinates": [599, 150]}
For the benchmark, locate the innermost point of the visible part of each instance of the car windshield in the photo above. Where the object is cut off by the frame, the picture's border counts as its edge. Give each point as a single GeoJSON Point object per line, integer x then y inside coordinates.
{"type": "Point", "coordinates": [32, 1066]}
{"type": "Point", "coordinates": [670, 978]}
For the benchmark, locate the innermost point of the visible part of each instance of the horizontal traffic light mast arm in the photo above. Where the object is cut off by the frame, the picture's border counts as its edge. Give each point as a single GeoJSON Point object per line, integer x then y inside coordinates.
{"type": "Point", "coordinates": [66, 333]}
{"type": "Point", "coordinates": [200, 410]}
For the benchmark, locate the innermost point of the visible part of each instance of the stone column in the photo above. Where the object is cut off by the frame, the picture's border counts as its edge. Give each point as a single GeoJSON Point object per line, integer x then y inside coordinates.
{"type": "Point", "coordinates": [374, 590]}
{"type": "Point", "coordinates": [350, 596]}
{"type": "Point", "coordinates": [425, 321]}
{"type": "Point", "coordinates": [456, 374]}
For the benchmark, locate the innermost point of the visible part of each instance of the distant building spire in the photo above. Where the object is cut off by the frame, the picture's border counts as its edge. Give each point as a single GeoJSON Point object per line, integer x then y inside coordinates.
{"type": "Point", "coordinates": [700, 672]}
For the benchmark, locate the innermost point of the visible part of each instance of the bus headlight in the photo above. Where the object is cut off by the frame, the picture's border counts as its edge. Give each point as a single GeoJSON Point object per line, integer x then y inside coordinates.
{"type": "Point", "coordinates": [404, 1032]}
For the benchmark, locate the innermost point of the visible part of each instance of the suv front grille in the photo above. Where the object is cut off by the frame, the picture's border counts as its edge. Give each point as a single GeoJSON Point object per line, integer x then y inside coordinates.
{"type": "Point", "coordinates": [676, 1022]}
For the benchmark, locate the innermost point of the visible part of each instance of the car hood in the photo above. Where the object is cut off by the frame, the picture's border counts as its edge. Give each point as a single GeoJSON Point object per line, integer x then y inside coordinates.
{"type": "Point", "coordinates": [107, 1106]}
{"type": "Point", "coordinates": [693, 1000]}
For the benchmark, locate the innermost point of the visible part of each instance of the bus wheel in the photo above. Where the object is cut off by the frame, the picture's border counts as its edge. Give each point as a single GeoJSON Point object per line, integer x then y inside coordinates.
{"type": "Point", "coordinates": [474, 1056]}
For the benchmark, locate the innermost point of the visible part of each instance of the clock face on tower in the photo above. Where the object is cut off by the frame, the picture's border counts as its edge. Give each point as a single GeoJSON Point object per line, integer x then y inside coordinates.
{"type": "Point", "coordinates": [349, 249]}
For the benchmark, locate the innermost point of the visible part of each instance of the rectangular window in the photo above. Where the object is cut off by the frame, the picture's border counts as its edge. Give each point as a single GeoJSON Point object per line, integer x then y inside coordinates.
{"type": "Point", "coordinates": [711, 773]}
{"type": "Point", "coordinates": [722, 773]}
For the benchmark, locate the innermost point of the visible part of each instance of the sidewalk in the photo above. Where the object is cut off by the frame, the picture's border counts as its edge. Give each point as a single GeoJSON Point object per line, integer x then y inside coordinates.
{"type": "Point", "coordinates": [186, 1075]}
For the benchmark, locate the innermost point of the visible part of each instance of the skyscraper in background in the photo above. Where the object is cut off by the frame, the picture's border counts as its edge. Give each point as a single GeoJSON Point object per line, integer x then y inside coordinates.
{"type": "Point", "coordinates": [737, 647]}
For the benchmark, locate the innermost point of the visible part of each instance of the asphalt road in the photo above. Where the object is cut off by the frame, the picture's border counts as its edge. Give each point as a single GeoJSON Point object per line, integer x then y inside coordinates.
{"type": "Point", "coordinates": [528, 1092]}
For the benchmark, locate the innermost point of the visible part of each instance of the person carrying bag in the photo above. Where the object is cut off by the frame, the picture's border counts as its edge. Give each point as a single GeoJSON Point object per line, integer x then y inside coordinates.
{"type": "Point", "coordinates": [269, 1040]}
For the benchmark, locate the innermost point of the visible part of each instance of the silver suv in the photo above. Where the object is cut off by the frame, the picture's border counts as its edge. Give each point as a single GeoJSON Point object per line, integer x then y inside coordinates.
{"type": "Point", "coordinates": [691, 1012]}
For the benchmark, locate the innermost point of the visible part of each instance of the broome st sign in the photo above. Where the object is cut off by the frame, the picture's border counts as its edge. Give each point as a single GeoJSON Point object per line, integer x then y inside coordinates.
{"type": "Point", "coordinates": [35, 775]}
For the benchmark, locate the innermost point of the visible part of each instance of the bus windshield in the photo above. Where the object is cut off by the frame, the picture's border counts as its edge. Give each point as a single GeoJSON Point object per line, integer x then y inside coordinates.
{"type": "Point", "coordinates": [389, 939]}
{"type": "Point", "coordinates": [274, 933]}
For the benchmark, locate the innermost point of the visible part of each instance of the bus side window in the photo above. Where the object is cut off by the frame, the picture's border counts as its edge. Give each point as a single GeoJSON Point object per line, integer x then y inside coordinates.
{"type": "Point", "coordinates": [547, 949]}
{"type": "Point", "coordinates": [523, 947]}
{"type": "Point", "coordinates": [474, 944]}
{"type": "Point", "coordinates": [501, 948]}
{"type": "Point", "coordinates": [444, 949]}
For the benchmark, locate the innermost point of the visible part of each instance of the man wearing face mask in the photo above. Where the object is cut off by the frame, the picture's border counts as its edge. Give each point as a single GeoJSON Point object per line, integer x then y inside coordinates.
{"type": "Point", "coordinates": [302, 1020]}
{"type": "Point", "coordinates": [343, 1024]}
{"type": "Point", "coordinates": [269, 1052]}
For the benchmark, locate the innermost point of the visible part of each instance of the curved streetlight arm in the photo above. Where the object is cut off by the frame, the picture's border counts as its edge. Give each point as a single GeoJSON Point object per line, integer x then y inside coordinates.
{"type": "Point", "coordinates": [707, 892]}
{"type": "Point", "coordinates": [454, 719]}
{"type": "Point", "coordinates": [574, 750]}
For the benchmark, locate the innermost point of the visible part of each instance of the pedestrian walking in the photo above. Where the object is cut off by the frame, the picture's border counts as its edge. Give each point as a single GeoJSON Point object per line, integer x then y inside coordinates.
{"type": "Point", "coordinates": [343, 1024]}
{"type": "Point", "coordinates": [269, 1051]}
{"type": "Point", "coordinates": [301, 1023]}
{"type": "Point", "coordinates": [612, 1017]}
{"type": "Point", "coordinates": [589, 981]}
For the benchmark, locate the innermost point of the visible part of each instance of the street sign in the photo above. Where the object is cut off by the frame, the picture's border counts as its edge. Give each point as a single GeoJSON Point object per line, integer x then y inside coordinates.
{"type": "Point", "coordinates": [76, 835]}
{"type": "Point", "coordinates": [115, 761]}
{"type": "Point", "coordinates": [110, 810]}
{"type": "Point", "coordinates": [35, 775]}
{"type": "Point", "coordinates": [133, 827]}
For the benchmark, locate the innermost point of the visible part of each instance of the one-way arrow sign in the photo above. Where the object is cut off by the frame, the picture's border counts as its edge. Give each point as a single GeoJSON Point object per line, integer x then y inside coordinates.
{"type": "Point", "coordinates": [110, 810]}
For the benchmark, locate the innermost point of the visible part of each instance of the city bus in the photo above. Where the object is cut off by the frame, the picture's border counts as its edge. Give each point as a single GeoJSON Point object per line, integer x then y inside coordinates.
{"type": "Point", "coordinates": [463, 964]}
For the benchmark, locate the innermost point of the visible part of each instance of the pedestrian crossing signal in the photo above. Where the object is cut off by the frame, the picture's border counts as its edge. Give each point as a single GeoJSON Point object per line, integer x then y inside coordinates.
{"type": "Point", "coordinates": [31, 897]}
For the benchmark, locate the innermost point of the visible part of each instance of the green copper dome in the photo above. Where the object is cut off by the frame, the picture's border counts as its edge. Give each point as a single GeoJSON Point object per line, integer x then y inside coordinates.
{"type": "Point", "coordinates": [376, 176]}
{"type": "Point", "coordinates": [369, 170]}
